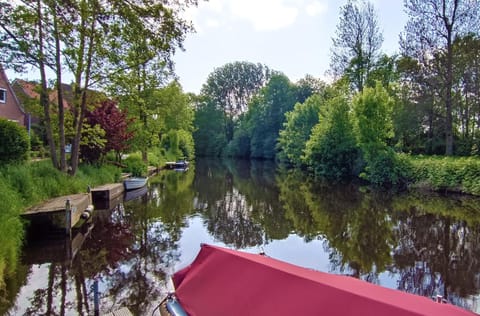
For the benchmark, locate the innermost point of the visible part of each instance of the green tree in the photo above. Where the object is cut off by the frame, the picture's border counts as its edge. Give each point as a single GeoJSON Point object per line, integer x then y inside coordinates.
{"type": "Point", "coordinates": [308, 86]}
{"type": "Point", "coordinates": [357, 43]}
{"type": "Point", "coordinates": [173, 108]}
{"type": "Point", "coordinates": [26, 30]}
{"type": "Point", "coordinates": [209, 136]}
{"type": "Point", "coordinates": [373, 125]}
{"type": "Point", "coordinates": [232, 86]}
{"type": "Point", "coordinates": [431, 30]}
{"type": "Point", "coordinates": [95, 41]}
{"type": "Point", "coordinates": [297, 129]}
{"type": "Point", "coordinates": [467, 93]}
{"type": "Point", "coordinates": [331, 151]}
{"type": "Point", "coordinates": [268, 114]}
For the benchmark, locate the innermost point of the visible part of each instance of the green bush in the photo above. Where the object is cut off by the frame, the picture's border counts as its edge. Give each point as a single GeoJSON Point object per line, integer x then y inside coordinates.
{"type": "Point", "coordinates": [331, 151]}
{"type": "Point", "coordinates": [14, 145]}
{"type": "Point", "coordinates": [386, 168]}
{"type": "Point", "coordinates": [447, 173]}
{"type": "Point", "coordinates": [135, 165]}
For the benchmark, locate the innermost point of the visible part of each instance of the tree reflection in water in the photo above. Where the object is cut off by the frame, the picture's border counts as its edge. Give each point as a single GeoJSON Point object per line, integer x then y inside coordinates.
{"type": "Point", "coordinates": [420, 243]}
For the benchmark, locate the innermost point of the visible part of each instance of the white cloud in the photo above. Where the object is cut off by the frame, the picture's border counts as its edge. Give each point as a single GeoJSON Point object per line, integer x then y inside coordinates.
{"type": "Point", "coordinates": [213, 23]}
{"type": "Point", "coordinates": [201, 16]}
{"type": "Point", "coordinates": [264, 15]}
{"type": "Point", "coordinates": [316, 8]}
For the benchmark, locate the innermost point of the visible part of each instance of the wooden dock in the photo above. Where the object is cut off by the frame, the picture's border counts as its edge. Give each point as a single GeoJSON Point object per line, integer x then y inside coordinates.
{"type": "Point", "coordinates": [106, 192]}
{"type": "Point", "coordinates": [151, 170]}
{"type": "Point", "coordinates": [107, 204]}
{"type": "Point", "coordinates": [72, 206]}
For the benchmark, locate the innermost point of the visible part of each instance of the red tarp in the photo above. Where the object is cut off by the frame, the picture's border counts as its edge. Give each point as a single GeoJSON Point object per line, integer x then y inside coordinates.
{"type": "Point", "coordinates": [227, 282]}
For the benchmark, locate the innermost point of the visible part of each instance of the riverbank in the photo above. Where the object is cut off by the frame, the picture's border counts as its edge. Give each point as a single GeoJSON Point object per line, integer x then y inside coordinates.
{"type": "Point", "coordinates": [29, 184]}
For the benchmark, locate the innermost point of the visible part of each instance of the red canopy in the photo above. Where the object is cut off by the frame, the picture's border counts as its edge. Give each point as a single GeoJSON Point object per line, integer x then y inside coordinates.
{"type": "Point", "coordinates": [227, 282]}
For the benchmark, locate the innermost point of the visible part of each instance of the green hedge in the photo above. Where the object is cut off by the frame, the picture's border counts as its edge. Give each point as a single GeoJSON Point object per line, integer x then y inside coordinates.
{"type": "Point", "coordinates": [14, 144]}
{"type": "Point", "coordinates": [457, 174]}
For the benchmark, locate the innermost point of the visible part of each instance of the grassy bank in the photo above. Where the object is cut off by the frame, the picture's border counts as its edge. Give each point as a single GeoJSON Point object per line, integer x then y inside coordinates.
{"type": "Point", "coordinates": [449, 174]}
{"type": "Point", "coordinates": [28, 184]}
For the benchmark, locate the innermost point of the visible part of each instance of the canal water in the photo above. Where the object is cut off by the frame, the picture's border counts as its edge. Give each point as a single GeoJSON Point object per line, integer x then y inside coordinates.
{"type": "Point", "coordinates": [422, 243]}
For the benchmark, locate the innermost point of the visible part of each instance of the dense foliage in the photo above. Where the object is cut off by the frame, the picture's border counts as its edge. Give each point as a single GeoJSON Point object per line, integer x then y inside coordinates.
{"type": "Point", "coordinates": [258, 129]}
{"type": "Point", "coordinates": [331, 152]}
{"type": "Point", "coordinates": [425, 100]}
{"type": "Point", "coordinates": [297, 129]}
{"type": "Point", "coordinates": [209, 135]}
{"type": "Point", "coordinates": [446, 173]}
{"type": "Point", "coordinates": [114, 123]}
{"type": "Point", "coordinates": [109, 43]}
{"type": "Point", "coordinates": [232, 86]}
{"type": "Point", "coordinates": [14, 145]}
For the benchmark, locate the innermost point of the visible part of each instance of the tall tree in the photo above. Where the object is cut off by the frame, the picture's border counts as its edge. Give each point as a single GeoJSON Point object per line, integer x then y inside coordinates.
{"type": "Point", "coordinates": [467, 93]}
{"type": "Point", "coordinates": [115, 124]}
{"type": "Point", "coordinates": [267, 115]}
{"type": "Point", "coordinates": [331, 151]}
{"type": "Point", "coordinates": [357, 43]}
{"type": "Point", "coordinates": [232, 86]}
{"type": "Point", "coordinates": [26, 39]}
{"type": "Point", "coordinates": [209, 132]}
{"type": "Point", "coordinates": [430, 32]}
{"type": "Point", "coordinates": [96, 40]}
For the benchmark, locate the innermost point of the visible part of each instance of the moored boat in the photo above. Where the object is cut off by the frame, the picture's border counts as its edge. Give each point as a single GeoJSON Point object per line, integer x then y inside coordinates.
{"type": "Point", "coordinates": [179, 164]}
{"type": "Point", "coordinates": [134, 183]}
{"type": "Point", "coordinates": [222, 281]}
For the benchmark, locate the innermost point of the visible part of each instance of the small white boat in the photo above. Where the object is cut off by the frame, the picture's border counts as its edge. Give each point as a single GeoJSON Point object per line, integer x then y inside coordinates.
{"type": "Point", "coordinates": [135, 183]}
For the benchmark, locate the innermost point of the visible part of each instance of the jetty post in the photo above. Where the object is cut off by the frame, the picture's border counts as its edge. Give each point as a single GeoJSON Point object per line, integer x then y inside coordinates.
{"type": "Point", "coordinates": [68, 218]}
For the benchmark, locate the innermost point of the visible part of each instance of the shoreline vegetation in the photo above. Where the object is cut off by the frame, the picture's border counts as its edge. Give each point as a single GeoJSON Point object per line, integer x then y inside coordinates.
{"type": "Point", "coordinates": [27, 183]}
{"type": "Point", "coordinates": [446, 174]}
{"type": "Point", "coordinates": [24, 185]}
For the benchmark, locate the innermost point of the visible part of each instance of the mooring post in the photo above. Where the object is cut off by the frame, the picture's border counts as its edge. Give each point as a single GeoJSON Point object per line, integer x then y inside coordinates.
{"type": "Point", "coordinates": [68, 218]}
{"type": "Point", "coordinates": [96, 298]}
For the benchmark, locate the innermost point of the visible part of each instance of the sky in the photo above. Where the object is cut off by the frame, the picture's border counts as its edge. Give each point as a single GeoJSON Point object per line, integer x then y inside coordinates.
{"type": "Point", "coordinates": [291, 36]}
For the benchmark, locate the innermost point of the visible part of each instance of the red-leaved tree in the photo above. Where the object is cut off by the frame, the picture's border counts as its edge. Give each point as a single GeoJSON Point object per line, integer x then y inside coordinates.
{"type": "Point", "coordinates": [115, 124]}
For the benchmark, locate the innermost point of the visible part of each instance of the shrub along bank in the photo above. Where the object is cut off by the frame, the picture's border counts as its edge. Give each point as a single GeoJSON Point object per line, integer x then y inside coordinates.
{"type": "Point", "coordinates": [449, 174]}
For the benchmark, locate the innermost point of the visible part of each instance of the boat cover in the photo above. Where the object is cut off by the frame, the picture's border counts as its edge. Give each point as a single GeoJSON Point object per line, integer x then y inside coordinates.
{"type": "Point", "coordinates": [227, 282]}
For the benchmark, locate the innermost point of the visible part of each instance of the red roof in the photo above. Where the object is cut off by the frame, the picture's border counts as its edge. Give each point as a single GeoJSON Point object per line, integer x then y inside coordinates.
{"type": "Point", "coordinates": [227, 282]}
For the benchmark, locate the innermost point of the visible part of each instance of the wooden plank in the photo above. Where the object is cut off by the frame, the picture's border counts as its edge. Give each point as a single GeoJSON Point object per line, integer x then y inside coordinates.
{"type": "Point", "coordinates": [58, 204]}
{"type": "Point", "coordinates": [106, 192]}
{"type": "Point", "coordinates": [78, 202]}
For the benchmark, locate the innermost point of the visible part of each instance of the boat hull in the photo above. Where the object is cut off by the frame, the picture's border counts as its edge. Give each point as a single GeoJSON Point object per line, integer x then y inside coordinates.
{"type": "Point", "coordinates": [134, 183]}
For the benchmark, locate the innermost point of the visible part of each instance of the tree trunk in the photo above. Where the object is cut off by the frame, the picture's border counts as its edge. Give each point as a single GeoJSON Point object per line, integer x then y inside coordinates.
{"type": "Point", "coordinates": [83, 103]}
{"type": "Point", "coordinates": [61, 114]}
{"type": "Point", "coordinates": [44, 101]}
{"type": "Point", "coordinates": [449, 23]}
{"type": "Point", "coordinates": [448, 105]}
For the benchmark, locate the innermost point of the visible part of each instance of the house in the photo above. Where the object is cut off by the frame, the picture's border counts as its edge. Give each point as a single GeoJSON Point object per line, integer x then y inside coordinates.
{"type": "Point", "coordinates": [28, 91]}
{"type": "Point", "coordinates": [10, 107]}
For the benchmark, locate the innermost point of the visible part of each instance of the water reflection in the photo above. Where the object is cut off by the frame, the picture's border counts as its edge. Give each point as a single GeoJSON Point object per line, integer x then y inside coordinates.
{"type": "Point", "coordinates": [421, 243]}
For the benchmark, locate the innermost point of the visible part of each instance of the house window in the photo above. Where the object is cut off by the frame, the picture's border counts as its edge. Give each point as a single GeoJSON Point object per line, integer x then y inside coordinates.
{"type": "Point", "coordinates": [3, 95]}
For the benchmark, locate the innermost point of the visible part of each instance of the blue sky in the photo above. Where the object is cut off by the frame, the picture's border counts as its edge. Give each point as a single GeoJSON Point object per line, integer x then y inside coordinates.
{"type": "Point", "coordinates": [292, 36]}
